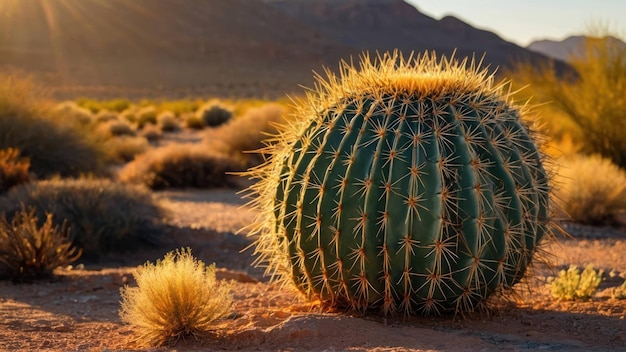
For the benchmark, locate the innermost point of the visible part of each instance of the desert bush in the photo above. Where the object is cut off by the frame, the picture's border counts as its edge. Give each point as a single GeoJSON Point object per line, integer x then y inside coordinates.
{"type": "Point", "coordinates": [125, 148]}
{"type": "Point", "coordinates": [70, 111]}
{"type": "Point", "coordinates": [105, 116]}
{"type": "Point", "coordinates": [193, 121]}
{"type": "Point", "coordinates": [180, 166]}
{"type": "Point", "coordinates": [115, 128]}
{"type": "Point", "coordinates": [572, 284]}
{"type": "Point", "coordinates": [247, 133]}
{"type": "Point", "coordinates": [116, 105]}
{"type": "Point", "coordinates": [53, 146]}
{"type": "Point", "coordinates": [590, 189]}
{"type": "Point", "coordinates": [180, 107]}
{"type": "Point", "coordinates": [592, 100]}
{"type": "Point", "coordinates": [152, 133]}
{"type": "Point", "coordinates": [176, 298]}
{"type": "Point", "coordinates": [13, 169]}
{"type": "Point", "coordinates": [102, 216]}
{"type": "Point", "coordinates": [29, 251]}
{"type": "Point", "coordinates": [214, 113]}
{"type": "Point", "coordinates": [168, 122]}
{"type": "Point", "coordinates": [129, 114]}
{"type": "Point", "coordinates": [146, 115]}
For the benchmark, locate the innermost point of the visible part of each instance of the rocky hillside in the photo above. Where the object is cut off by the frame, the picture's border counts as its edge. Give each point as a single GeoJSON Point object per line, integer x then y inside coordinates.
{"type": "Point", "coordinates": [567, 48]}
{"type": "Point", "coordinates": [242, 48]}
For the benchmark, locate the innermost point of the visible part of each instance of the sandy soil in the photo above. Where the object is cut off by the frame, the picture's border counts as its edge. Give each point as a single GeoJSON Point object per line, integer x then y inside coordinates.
{"type": "Point", "coordinates": [79, 309]}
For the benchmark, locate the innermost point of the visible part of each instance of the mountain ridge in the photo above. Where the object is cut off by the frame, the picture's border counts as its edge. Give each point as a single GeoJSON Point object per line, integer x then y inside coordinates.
{"type": "Point", "coordinates": [240, 48]}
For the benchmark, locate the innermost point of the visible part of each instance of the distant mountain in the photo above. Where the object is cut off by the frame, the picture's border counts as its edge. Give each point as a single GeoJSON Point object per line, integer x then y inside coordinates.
{"type": "Point", "coordinates": [240, 48]}
{"type": "Point", "coordinates": [567, 48]}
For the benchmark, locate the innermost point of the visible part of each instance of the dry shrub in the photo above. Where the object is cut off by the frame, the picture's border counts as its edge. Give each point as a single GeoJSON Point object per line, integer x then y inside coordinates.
{"type": "Point", "coordinates": [214, 113]}
{"type": "Point", "coordinates": [152, 133]}
{"type": "Point", "coordinates": [13, 169]}
{"type": "Point", "coordinates": [247, 134]}
{"type": "Point", "coordinates": [116, 105]}
{"type": "Point", "coordinates": [53, 146]}
{"type": "Point", "coordinates": [146, 115]}
{"type": "Point", "coordinates": [115, 128]}
{"type": "Point", "coordinates": [125, 148]}
{"type": "Point", "coordinates": [71, 111]}
{"type": "Point", "coordinates": [181, 166]}
{"type": "Point", "coordinates": [592, 100]}
{"type": "Point", "coordinates": [193, 121]}
{"type": "Point", "coordinates": [178, 297]}
{"type": "Point", "coordinates": [591, 189]}
{"type": "Point", "coordinates": [106, 115]}
{"type": "Point", "coordinates": [129, 114]}
{"type": "Point", "coordinates": [168, 121]}
{"type": "Point", "coordinates": [28, 251]}
{"type": "Point", "coordinates": [102, 216]}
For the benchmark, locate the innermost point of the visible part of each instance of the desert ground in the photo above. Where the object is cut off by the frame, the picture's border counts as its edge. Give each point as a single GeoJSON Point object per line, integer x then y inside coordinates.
{"type": "Point", "coordinates": [78, 310]}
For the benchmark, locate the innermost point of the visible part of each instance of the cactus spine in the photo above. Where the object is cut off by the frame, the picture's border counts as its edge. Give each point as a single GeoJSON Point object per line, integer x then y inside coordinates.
{"type": "Point", "coordinates": [407, 185]}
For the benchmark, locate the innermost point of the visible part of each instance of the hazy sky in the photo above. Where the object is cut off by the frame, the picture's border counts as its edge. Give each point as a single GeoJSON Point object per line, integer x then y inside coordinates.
{"type": "Point", "coordinates": [523, 21]}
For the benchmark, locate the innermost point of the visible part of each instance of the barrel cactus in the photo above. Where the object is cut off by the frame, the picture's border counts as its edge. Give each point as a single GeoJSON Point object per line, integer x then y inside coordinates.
{"type": "Point", "coordinates": [407, 185]}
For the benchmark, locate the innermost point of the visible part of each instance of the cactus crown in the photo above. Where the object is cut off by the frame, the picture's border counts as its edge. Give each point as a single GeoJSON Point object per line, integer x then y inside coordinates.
{"type": "Point", "coordinates": [406, 185]}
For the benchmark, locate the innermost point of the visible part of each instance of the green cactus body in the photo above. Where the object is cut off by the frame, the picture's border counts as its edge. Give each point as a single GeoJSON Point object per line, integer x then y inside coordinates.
{"type": "Point", "coordinates": [411, 186]}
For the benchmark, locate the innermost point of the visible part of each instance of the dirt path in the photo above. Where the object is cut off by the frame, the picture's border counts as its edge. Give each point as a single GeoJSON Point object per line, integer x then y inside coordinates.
{"type": "Point", "coordinates": [78, 311]}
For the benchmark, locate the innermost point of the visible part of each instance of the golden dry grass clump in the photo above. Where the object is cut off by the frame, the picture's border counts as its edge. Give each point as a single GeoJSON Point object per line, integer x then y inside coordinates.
{"type": "Point", "coordinates": [176, 298]}
{"type": "Point", "coordinates": [181, 166]}
{"type": "Point", "coordinates": [53, 145]}
{"type": "Point", "coordinates": [13, 169]}
{"type": "Point", "coordinates": [29, 251]}
{"type": "Point", "coordinates": [590, 189]}
{"type": "Point", "coordinates": [242, 136]}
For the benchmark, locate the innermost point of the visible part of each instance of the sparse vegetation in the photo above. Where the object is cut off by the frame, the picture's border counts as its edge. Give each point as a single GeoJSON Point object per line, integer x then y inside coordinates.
{"type": "Point", "coordinates": [214, 113]}
{"type": "Point", "coordinates": [245, 135]}
{"type": "Point", "coordinates": [168, 121]}
{"type": "Point", "coordinates": [29, 251]}
{"type": "Point", "coordinates": [102, 216]}
{"type": "Point", "coordinates": [53, 146]}
{"type": "Point", "coordinates": [13, 169]}
{"type": "Point", "coordinates": [178, 297]}
{"type": "Point", "coordinates": [125, 148]}
{"type": "Point", "coordinates": [146, 115]}
{"type": "Point", "coordinates": [115, 128]}
{"type": "Point", "coordinates": [592, 101]}
{"type": "Point", "coordinates": [181, 166]}
{"type": "Point", "coordinates": [152, 133]}
{"type": "Point", "coordinates": [591, 189]}
{"type": "Point", "coordinates": [571, 284]}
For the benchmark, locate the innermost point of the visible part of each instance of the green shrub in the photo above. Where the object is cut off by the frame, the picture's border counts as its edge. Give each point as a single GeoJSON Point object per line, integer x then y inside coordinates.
{"type": "Point", "coordinates": [13, 169]}
{"type": "Point", "coordinates": [591, 189]}
{"type": "Point", "coordinates": [116, 105]}
{"type": "Point", "coordinates": [181, 166]}
{"type": "Point", "coordinates": [572, 284]}
{"type": "Point", "coordinates": [102, 216]}
{"type": "Point", "coordinates": [593, 100]}
{"type": "Point", "coordinates": [53, 146]}
{"type": "Point", "coordinates": [214, 113]}
{"type": "Point", "coordinates": [168, 122]}
{"type": "Point", "coordinates": [29, 251]}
